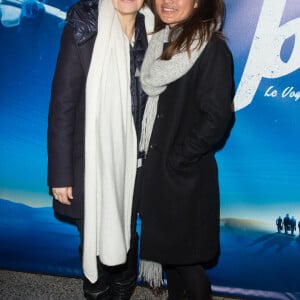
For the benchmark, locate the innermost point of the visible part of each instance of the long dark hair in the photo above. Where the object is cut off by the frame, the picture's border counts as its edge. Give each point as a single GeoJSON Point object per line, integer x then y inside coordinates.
{"type": "Point", "coordinates": [205, 19]}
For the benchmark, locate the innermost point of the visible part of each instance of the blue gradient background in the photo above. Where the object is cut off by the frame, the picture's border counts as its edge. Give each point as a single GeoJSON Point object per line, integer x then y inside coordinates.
{"type": "Point", "coordinates": [28, 55]}
{"type": "Point", "coordinates": [259, 166]}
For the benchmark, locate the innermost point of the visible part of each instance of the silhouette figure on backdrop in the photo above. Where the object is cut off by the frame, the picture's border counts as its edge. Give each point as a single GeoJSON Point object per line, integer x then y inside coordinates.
{"type": "Point", "coordinates": [286, 223]}
{"type": "Point", "coordinates": [279, 224]}
{"type": "Point", "coordinates": [293, 224]}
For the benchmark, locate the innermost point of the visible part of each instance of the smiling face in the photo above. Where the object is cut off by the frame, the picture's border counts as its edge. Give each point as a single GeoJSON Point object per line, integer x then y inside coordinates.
{"type": "Point", "coordinates": [127, 7]}
{"type": "Point", "coordinates": [172, 12]}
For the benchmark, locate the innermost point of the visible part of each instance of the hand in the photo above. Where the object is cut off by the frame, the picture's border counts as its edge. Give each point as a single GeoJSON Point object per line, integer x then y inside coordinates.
{"type": "Point", "coordinates": [63, 194]}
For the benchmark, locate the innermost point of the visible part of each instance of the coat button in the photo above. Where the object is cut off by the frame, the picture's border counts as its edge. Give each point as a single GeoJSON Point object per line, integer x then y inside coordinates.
{"type": "Point", "coordinates": [153, 146]}
{"type": "Point", "coordinates": [160, 116]}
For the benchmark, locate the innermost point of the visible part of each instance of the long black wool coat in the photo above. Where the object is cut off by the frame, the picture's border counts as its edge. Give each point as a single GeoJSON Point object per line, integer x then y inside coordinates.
{"type": "Point", "coordinates": [180, 194]}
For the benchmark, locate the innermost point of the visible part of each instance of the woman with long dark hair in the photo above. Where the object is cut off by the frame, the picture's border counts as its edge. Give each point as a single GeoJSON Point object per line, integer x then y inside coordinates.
{"type": "Point", "coordinates": [188, 75]}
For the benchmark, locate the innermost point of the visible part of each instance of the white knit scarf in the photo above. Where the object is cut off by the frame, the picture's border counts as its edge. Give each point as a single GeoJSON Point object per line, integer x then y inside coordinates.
{"type": "Point", "coordinates": [110, 147]}
{"type": "Point", "coordinates": [156, 74]}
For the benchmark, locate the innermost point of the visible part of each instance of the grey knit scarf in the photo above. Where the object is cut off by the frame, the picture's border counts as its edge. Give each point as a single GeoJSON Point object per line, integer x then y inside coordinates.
{"type": "Point", "coordinates": [156, 74]}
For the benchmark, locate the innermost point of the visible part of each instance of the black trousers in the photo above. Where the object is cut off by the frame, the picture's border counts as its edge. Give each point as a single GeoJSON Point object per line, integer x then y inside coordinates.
{"type": "Point", "coordinates": [124, 275]}
{"type": "Point", "coordinates": [188, 281]}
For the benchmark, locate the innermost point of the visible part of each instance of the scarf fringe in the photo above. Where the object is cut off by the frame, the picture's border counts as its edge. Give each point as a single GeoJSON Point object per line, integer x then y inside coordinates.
{"type": "Point", "coordinates": [151, 273]}
{"type": "Point", "coordinates": [148, 123]}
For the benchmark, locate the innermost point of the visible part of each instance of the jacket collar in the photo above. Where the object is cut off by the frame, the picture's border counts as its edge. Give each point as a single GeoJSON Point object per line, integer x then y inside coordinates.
{"type": "Point", "coordinates": [83, 17]}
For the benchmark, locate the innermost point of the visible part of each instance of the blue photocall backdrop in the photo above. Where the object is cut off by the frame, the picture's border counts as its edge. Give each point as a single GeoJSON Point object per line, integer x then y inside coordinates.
{"type": "Point", "coordinates": [259, 167]}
